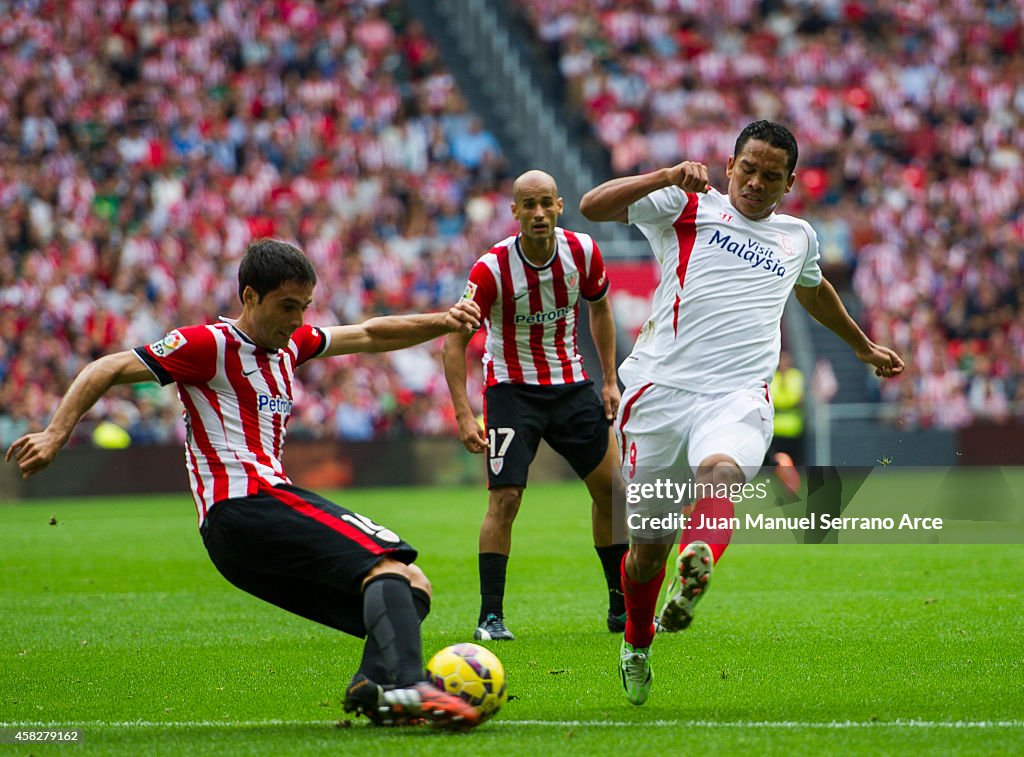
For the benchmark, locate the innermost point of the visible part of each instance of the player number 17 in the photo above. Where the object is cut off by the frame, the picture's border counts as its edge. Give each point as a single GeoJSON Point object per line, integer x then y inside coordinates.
{"type": "Point", "coordinates": [506, 439]}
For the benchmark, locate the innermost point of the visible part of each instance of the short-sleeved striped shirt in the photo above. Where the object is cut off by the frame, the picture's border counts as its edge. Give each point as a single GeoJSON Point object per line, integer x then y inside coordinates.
{"type": "Point", "coordinates": [237, 398]}
{"type": "Point", "coordinates": [530, 312]}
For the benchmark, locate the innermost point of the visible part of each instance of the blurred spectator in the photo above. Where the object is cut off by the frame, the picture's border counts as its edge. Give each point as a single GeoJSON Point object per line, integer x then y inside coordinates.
{"type": "Point", "coordinates": [824, 383]}
{"type": "Point", "coordinates": [986, 393]}
{"type": "Point", "coordinates": [353, 419]}
{"type": "Point", "coordinates": [472, 146]}
{"type": "Point", "coordinates": [787, 392]}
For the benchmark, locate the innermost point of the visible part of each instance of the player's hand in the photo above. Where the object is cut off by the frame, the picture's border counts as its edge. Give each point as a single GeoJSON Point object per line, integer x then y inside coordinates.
{"type": "Point", "coordinates": [34, 452]}
{"type": "Point", "coordinates": [463, 316]}
{"type": "Point", "coordinates": [471, 434]}
{"type": "Point", "coordinates": [690, 176]}
{"type": "Point", "coordinates": [610, 396]}
{"type": "Point", "coordinates": [887, 363]}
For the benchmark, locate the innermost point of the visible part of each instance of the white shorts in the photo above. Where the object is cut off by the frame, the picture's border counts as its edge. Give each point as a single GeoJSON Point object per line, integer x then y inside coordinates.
{"type": "Point", "coordinates": [665, 433]}
{"type": "Point", "coordinates": [661, 428]}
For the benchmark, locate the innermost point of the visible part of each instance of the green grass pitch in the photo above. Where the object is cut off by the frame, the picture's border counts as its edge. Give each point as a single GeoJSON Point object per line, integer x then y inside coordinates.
{"type": "Point", "coordinates": [115, 623]}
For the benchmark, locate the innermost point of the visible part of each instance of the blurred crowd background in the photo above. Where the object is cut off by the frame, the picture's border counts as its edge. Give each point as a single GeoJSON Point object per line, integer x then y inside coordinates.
{"type": "Point", "coordinates": [144, 143]}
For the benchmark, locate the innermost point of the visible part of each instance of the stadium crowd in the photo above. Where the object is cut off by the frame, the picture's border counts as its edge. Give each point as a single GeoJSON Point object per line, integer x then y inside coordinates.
{"type": "Point", "coordinates": [910, 116]}
{"type": "Point", "coordinates": [144, 143]}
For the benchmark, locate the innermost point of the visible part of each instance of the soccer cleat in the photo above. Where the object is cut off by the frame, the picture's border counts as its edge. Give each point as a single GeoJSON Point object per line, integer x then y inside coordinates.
{"type": "Point", "coordinates": [425, 702]}
{"type": "Point", "coordinates": [616, 623]}
{"type": "Point", "coordinates": [363, 697]}
{"type": "Point", "coordinates": [688, 585]}
{"type": "Point", "coordinates": [493, 629]}
{"type": "Point", "coordinates": [635, 668]}
{"type": "Point", "coordinates": [366, 698]}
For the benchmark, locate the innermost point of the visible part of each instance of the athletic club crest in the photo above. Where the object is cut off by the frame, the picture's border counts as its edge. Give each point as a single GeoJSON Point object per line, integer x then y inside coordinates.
{"type": "Point", "coordinates": [497, 463]}
{"type": "Point", "coordinates": [572, 280]}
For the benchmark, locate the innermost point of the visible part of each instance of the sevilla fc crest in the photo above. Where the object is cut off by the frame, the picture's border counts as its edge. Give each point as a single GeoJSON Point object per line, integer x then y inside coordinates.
{"type": "Point", "coordinates": [787, 246]}
{"type": "Point", "coordinates": [497, 463]}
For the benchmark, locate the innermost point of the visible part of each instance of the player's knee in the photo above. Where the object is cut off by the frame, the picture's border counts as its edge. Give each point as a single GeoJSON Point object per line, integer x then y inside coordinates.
{"type": "Point", "coordinates": [728, 472]}
{"type": "Point", "coordinates": [419, 579]}
{"type": "Point", "coordinates": [503, 503]}
{"type": "Point", "coordinates": [389, 566]}
{"type": "Point", "coordinates": [719, 470]}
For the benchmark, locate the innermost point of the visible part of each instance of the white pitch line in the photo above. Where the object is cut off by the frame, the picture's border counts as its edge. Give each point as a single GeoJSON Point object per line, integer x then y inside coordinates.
{"type": "Point", "coordinates": [783, 724]}
{"type": "Point", "coordinates": [834, 724]}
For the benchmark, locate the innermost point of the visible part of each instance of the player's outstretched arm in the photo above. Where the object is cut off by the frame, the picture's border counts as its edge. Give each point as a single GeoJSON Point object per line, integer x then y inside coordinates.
{"type": "Point", "coordinates": [453, 356]}
{"type": "Point", "coordinates": [393, 332]}
{"type": "Point", "coordinates": [602, 328]}
{"type": "Point", "coordinates": [610, 201]}
{"type": "Point", "coordinates": [34, 452]}
{"type": "Point", "coordinates": [823, 303]}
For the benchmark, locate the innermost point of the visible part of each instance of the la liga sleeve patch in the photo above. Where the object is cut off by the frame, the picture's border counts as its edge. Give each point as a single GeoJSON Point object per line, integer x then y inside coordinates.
{"type": "Point", "coordinates": [470, 291]}
{"type": "Point", "coordinates": [173, 341]}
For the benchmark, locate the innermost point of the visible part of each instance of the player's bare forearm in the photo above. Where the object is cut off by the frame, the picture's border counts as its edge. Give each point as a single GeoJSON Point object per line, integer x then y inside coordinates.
{"type": "Point", "coordinates": [453, 357]}
{"type": "Point", "coordinates": [823, 303]}
{"type": "Point", "coordinates": [610, 201]}
{"type": "Point", "coordinates": [602, 328]}
{"type": "Point", "coordinates": [34, 452]}
{"type": "Point", "coordinates": [394, 332]}
{"type": "Point", "coordinates": [388, 333]}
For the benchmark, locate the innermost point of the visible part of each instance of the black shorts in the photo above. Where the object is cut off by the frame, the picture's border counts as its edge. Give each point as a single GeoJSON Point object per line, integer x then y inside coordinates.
{"type": "Point", "coordinates": [301, 552]}
{"type": "Point", "coordinates": [569, 417]}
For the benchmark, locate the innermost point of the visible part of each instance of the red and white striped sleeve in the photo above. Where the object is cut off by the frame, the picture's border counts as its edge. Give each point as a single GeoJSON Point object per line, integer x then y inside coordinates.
{"type": "Point", "coordinates": [187, 355]}
{"type": "Point", "coordinates": [595, 279]}
{"type": "Point", "coordinates": [481, 288]}
{"type": "Point", "coordinates": [308, 342]}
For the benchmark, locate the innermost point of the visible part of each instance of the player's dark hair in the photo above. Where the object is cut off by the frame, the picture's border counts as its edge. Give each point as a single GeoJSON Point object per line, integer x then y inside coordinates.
{"type": "Point", "coordinates": [774, 134]}
{"type": "Point", "coordinates": [269, 263]}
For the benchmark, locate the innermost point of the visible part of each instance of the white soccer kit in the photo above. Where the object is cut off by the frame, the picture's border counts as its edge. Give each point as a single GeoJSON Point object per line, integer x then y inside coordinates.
{"type": "Point", "coordinates": [714, 330]}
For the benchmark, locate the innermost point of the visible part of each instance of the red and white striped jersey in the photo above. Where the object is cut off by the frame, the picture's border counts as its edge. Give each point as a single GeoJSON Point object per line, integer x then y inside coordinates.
{"type": "Point", "coordinates": [529, 312]}
{"type": "Point", "coordinates": [237, 399]}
